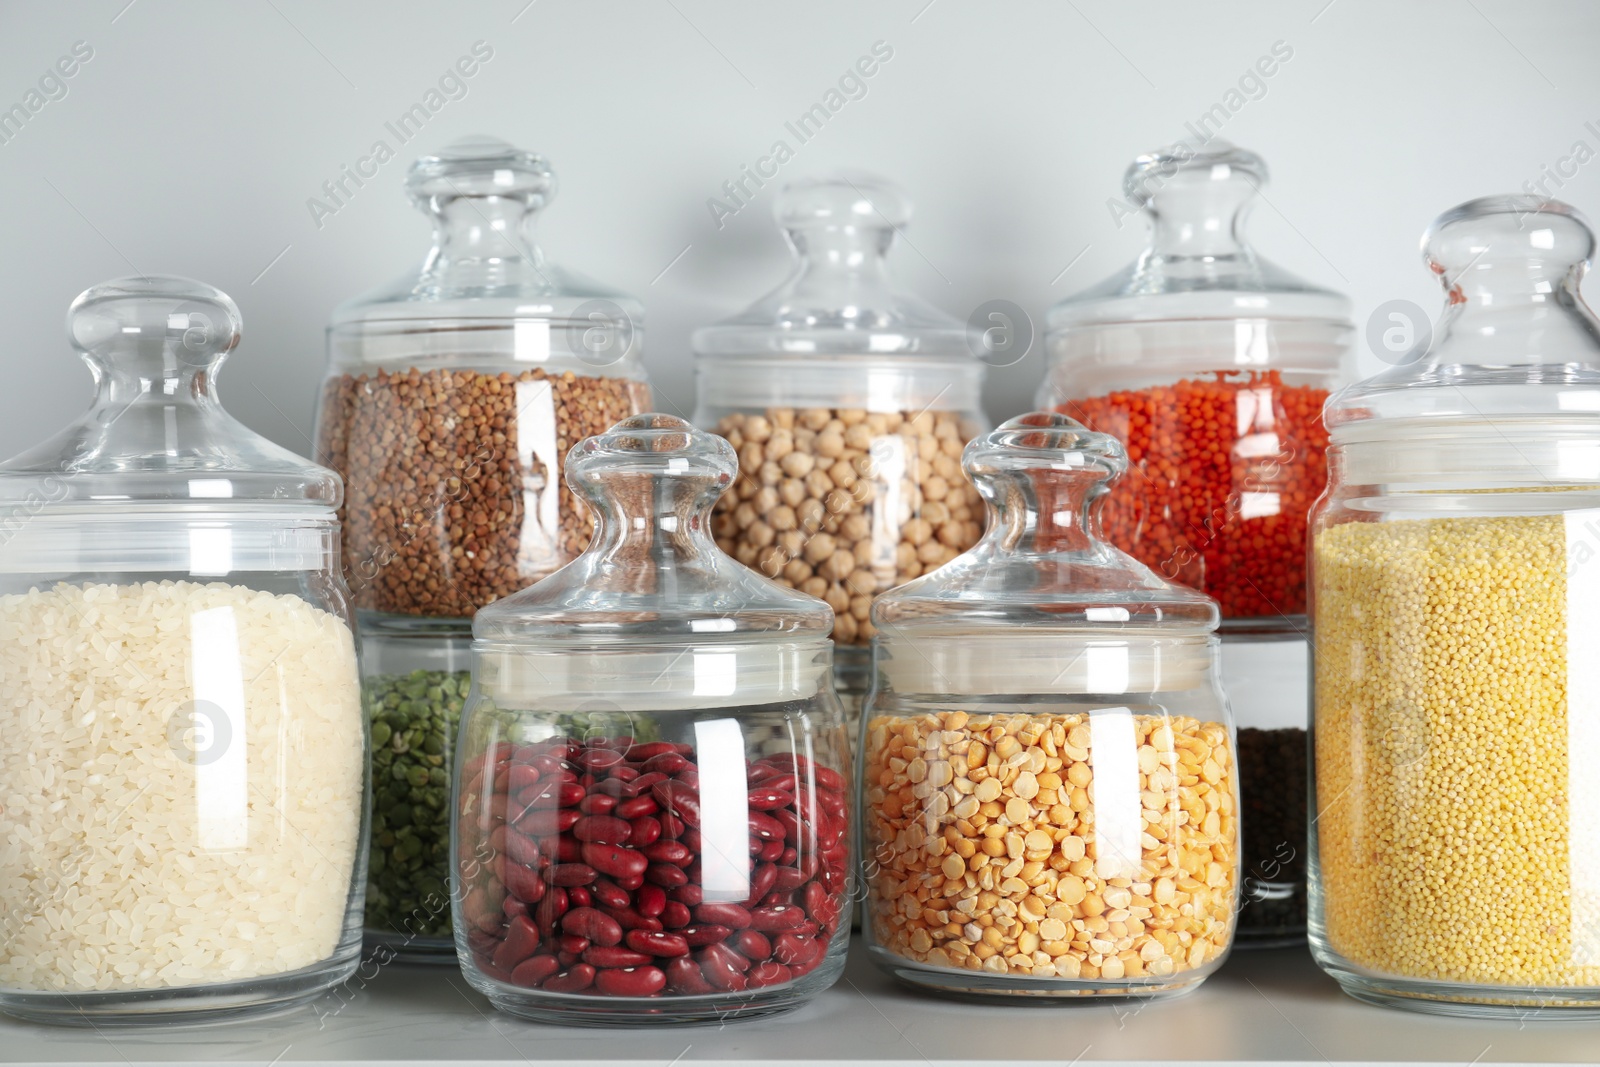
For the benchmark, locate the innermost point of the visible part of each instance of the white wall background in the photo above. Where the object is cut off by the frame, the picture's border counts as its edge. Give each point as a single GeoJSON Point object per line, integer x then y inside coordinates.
{"type": "Point", "coordinates": [192, 140]}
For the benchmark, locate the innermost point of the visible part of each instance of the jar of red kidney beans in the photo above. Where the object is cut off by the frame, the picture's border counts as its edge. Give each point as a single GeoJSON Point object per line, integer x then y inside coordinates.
{"type": "Point", "coordinates": [652, 820]}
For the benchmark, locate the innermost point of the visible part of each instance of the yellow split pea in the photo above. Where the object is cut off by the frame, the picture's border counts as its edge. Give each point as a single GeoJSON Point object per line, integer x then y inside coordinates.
{"type": "Point", "coordinates": [989, 845]}
{"type": "Point", "coordinates": [1446, 837]}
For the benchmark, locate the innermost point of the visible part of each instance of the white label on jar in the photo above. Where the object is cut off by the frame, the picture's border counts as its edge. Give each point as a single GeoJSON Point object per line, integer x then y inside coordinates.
{"type": "Point", "coordinates": [724, 810]}
{"type": "Point", "coordinates": [1583, 731]}
{"type": "Point", "coordinates": [535, 436]}
{"type": "Point", "coordinates": [1114, 793]}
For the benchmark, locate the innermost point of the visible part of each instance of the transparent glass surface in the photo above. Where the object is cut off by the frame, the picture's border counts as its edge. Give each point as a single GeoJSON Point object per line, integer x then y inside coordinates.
{"type": "Point", "coordinates": [1211, 365]}
{"type": "Point", "coordinates": [651, 819]}
{"type": "Point", "coordinates": [182, 798]}
{"type": "Point", "coordinates": [454, 394]}
{"type": "Point", "coordinates": [1050, 802]}
{"type": "Point", "coordinates": [848, 401]}
{"type": "Point", "coordinates": [1454, 609]}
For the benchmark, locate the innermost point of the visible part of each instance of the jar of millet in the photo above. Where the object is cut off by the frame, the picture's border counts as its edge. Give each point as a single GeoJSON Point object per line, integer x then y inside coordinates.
{"type": "Point", "coordinates": [1455, 612]}
{"type": "Point", "coordinates": [1049, 788]}
{"type": "Point", "coordinates": [1212, 365]}
{"type": "Point", "coordinates": [848, 401]}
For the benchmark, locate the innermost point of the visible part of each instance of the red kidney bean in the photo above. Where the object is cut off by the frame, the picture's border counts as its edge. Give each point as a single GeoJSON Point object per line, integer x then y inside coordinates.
{"type": "Point", "coordinates": [614, 956]}
{"type": "Point", "coordinates": [765, 827]}
{"type": "Point", "coordinates": [751, 944]}
{"type": "Point", "coordinates": [701, 934]}
{"type": "Point", "coordinates": [599, 759]}
{"type": "Point", "coordinates": [643, 753]}
{"type": "Point", "coordinates": [522, 940]}
{"type": "Point", "coordinates": [775, 899]}
{"type": "Point", "coordinates": [763, 798]}
{"type": "Point", "coordinates": [604, 829]}
{"type": "Point", "coordinates": [597, 804]}
{"type": "Point", "coordinates": [678, 799]}
{"type": "Point", "coordinates": [650, 901]}
{"type": "Point", "coordinates": [723, 914]}
{"type": "Point", "coordinates": [514, 907]}
{"type": "Point", "coordinates": [672, 826]}
{"type": "Point", "coordinates": [673, 852]}
{"type": "Point", "coordinates": [636, 808]}
{"type": "Point", "coordinates": [771, 852]}
{"type": "Point", "coordinates": [683, 975]}
{"type": "Point", "coordinates": [614, 860]}
{"type": "Point", "coordinates": [610, 894]}
{"type": "Point", "coordinates": [788, 857]}
{"type": "Point", "coordinates": [667, 763]}
{"type": "Point", "coordinates": [524, 884]}
{"type": "Point", "coordinates": [547, 823]}
{"type": "Point", "coordinates": [738, 962]}
{"type": "Point", "coordinates": [691, 894]}
{"type": "Point", "coordinates": [809, 928]}
{"type": "Point", "coordinates": [623, 773]}
{"type": "Point", "coordinates": [693, 841]}
{"type": "Point", "coordinates": [690, 778]}
{"type": "Point", "coordinates": [675, 916]}
{"type": "Point", "coordinates": [521, 848]}
{"type": "Point", "coordinates": [546, 763]}
{"type": "Point", "coordinates": [791, 950]}
{"type": "Point", "coordinates": [802, 767]}
{"type": "Point", "coordinates": [644, 830]}
{"type": "Point", "coordinates": [568, 849]}
{"type": "Point", "coordinates": [834, 879]}
{"type": "Point", "coordinates": [575, 979]}
{"type": "Point", "coordinates": [768, 973]}
{"type": "Point", "coordinates": [762, 880]}
{"type": "Point", "coordinates": [572, 946]}
{"type": "Point", "coordinates": [571, 874]}
{"type": "Point", "coordinates": [793, 829]}
{"type": "Point", "coordinates": [550, 910]}
{"type": "Point", "coordinates": [629, 919]}
{"type": "Point", "coordinates": [657, 943]}
{"type": "Point", "coordinates": [497, 838]}
{"type": "Point", "coordinates": [631, 882]}
{"type": "Point", "coordinates": [502, 777]}
{"type": "Point", "coordinates": [593, 924]}
{"type": "Point", "coordinates": [788, 879]}
{"type": "Point", "coordinates": [776, 919]}
{"type": "Point", "coordinates": [579, 897]}
{"type": "Point", "coordinates": [521, 777]}
{"type": "Point", "coordinates": [666, 875]}
{"type": "Point", "coordinates": [535, 969]}
{"type": "Point", "coordinates": [632, 982]}
{"type": "Point", "coordinates": [833, 804]}
{"type": "Point", "coordinates": [719, 969]}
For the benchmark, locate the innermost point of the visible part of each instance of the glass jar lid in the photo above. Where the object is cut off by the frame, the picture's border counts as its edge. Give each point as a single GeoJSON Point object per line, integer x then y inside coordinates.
{"type": "Point", "coordinates": [484, 197]}
{"type": "Point", "coordinates": [156, 436]}
{"type": "Point", "coordinates": [1026, 608]}
{"type": "Point", "coordinates": [1507, 384]}
{"type": "Point", "coordinates": [1199, 264]}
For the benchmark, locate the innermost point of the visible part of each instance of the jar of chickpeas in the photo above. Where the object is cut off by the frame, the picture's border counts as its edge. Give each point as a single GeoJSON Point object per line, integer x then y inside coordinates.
{"type": "Point", "coordinates": [848, 401]}
{"type": "Point", "coordinates": [1455, 614]}
{"type": "Point", "coordinates": [1049, 789]}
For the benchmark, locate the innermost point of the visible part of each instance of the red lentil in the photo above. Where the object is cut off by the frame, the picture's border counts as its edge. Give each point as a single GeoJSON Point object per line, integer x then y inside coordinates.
{"type": "Point", "coordinates": [1222, 471]}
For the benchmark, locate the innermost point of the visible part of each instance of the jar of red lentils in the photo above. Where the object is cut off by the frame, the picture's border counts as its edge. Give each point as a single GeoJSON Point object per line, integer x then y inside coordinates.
{"type": "Point", "coordinates": [848, 401]}
{"type": "Point", "coordinates": [1211, 365]}
{"type": "Point", "coordinates": [653, 820]}
{"type": "Point", "coordinates": [1049, 786]}
{"type": "Point", "coordinates": [1456, 615]}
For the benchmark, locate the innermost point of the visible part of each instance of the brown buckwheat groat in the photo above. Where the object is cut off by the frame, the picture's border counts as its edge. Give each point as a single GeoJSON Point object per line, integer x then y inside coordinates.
{"type": "Point", "coordinates": [453, 488]}
{"type": "Point", "coordinates": [990, 846]}
{"type": "Point", "coordinates": [844, 504]}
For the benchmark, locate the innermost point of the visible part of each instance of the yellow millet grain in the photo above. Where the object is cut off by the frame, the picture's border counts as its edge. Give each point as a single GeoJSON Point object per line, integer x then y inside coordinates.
{"type": "Point", "coordinates": [1441, 752]}
{"type": "Point", "coordinates": [983, 852]}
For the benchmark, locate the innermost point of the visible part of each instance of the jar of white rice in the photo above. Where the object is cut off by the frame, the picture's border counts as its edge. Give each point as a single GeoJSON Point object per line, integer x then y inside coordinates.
{"type": "Point", "coordinates": [182, 787]}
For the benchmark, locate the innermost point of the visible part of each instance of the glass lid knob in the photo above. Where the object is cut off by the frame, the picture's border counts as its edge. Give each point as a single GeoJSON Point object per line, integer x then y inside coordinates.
{"type": "Point", "coordinates": [1511, 244]}
{"type": "Point", "coordinates": [153, 327]}
{"type": "Point", "coordinates": [1043, 474]}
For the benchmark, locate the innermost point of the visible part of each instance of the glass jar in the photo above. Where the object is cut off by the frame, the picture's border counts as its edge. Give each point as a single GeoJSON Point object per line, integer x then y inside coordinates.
{"type": "Point", "coordinates": [1455, 602]}
{"type": "Point", "coordinates": [848, 402]}
{"type": "Point", "coordinates": [1211, 365]}
{"type": "Point", "coordinates": [182, 789]}
{"type": "Point", "coordinates": [452, 397]}
{"type": "Point", "coordinates": [604, 879]}
{"type": "Point", "coordinates": [1049, 796]}
{"type": "Point", "coordinates": [414, 685]}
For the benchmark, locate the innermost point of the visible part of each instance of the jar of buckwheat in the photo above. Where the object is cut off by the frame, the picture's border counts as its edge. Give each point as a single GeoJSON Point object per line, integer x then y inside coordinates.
{"type": "Point", "coordinates": [452, 399]}
{"type": "Point", "coordinates": [849, 402]}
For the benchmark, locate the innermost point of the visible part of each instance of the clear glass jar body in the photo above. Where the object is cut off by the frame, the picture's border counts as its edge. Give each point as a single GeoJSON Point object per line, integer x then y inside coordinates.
{"type": "Point", "coordinates": [183, 803]}
{"type": "Point", "coordinates": [450, 440]}
{"type": "Point", "coordinates": [1227, 450]}
{"type": "Point", "coordinates": [414, 687]}
{"type": "Point", "coordinates": [1265, 677]}
{"type": "Point", "coordinates": [1118, 858]}
{"type": "Point", "coordinates": [609, 880]}
{"type": "Point", "coordinates": [1453, 696]}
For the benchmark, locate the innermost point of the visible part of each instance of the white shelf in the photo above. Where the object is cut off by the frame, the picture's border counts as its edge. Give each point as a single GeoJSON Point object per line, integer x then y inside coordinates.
{"type": "Point", "coordinates": [1262, 1007]}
